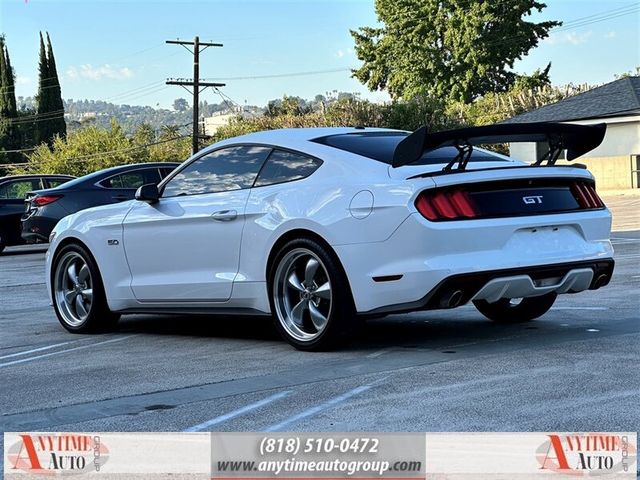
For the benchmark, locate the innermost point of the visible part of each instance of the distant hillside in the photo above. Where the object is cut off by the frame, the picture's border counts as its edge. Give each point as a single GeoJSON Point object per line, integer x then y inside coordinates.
{"type": "Point", "coordinates": [98, 112]}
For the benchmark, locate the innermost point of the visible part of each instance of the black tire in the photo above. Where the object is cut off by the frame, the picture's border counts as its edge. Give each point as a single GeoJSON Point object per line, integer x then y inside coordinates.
{"type": "Point", "coordinates": [341, 321]}
{"type": "Point", "coordinates": [99, 318]}
{"type": "Point", "coordinates": [504, 311]}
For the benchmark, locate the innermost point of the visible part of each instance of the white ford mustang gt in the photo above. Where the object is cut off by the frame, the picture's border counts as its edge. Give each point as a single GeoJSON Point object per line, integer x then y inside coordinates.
{"type": "Point", "coordinates": [323, 227]}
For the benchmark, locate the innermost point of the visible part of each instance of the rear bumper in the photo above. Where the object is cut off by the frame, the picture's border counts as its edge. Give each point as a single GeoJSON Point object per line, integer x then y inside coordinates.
{"type": "Point", "coordinates": [523, 282]}
{"type": "Point", "coordinates": [399, 272]}
{"type": "Point", "coordinates": [36, 229]}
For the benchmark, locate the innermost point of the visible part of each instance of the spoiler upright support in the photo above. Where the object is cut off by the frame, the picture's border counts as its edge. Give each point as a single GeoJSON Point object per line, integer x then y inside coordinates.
{"type": "Point", "coordinates": [576, 139]}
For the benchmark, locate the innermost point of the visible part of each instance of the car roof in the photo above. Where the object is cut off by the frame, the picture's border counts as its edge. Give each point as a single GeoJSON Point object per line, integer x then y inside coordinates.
{"type": "Point", "coordinates": [133, 166]}
{"type": "Point", "coordinates": [284, 136]}
{"type": "Point", "coordinates": [94, 177]}
{"type": "Point", "coordinates": [35, 175]}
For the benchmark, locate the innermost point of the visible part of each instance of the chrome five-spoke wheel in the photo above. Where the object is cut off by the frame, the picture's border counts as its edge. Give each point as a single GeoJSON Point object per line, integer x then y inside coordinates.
{"type": "Point", "coordinates": [73, 288]}
{"type": "Point", "coordinates": [302, 294]}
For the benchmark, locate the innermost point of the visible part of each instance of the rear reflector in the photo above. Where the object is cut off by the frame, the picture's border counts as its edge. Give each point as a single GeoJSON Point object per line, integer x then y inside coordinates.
{"type": "Point", "coordinates": [45, 200]}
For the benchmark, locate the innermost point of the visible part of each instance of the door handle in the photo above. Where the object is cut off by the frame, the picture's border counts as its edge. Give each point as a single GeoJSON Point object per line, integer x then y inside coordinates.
{"type": "Point", "coordinates": [120, 198]}
{"type": "Point", "coordinates": [225, 215]}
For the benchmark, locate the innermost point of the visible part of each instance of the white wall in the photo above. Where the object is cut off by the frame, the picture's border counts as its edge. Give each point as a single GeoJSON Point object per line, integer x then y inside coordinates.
{"type": "Point", "coordinates": [610, 163]}
{"type": "Point", "coordinates": [622, 138]}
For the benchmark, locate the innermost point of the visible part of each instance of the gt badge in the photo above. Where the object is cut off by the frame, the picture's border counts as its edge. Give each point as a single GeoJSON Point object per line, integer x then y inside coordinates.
{"type": "Point", "coordinates": [532, 199]}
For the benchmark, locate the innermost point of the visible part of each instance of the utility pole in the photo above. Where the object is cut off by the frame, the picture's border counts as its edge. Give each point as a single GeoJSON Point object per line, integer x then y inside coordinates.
{"type": "Point", "coordinates": [195, 82]}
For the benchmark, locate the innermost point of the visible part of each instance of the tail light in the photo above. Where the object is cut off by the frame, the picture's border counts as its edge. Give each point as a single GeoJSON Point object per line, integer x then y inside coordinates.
{"type": "Point", "coordinates": [508, 198]}
{"type": "Point", "coordinates": [41, 201]}
{"type": "Point", "coordinates": [585, 194]}
{"type": "Point", "coordinates": [446, 205]}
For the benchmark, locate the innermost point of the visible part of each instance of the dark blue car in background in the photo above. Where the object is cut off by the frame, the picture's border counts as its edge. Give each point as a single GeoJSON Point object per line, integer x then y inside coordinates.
{"type": "Point", "coordinates": [45, 208]}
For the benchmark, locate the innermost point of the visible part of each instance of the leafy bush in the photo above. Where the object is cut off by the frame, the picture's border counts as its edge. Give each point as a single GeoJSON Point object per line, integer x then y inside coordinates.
{"type": "Point", "coordinates": [94, 148]}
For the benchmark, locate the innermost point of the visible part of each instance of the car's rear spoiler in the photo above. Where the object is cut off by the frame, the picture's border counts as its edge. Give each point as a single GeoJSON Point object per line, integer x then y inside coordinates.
{"type": "Point", "coordinates": [576, 139]}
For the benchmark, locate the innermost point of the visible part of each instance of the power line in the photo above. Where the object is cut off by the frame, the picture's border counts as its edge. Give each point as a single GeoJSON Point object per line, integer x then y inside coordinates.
{"type": "Point", "coordinates": [99, 154]}
{"type": "Point", "coordinates": [284, 75]}
{"type": "Point", "coordinates": [37, 118]}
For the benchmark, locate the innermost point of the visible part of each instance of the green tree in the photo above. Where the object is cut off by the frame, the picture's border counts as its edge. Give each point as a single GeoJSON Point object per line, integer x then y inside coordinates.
{"type": "Point", "coordinates": [58, 125]}
{"type": "Point", "coordinates": [42, 97]}
{"type": "Point", "coordinates": [93, 148]}
{"type": "Point", "coordinates": [450, 49]}
{"type": "Point", "coordinates": [9, 126]}
{"type": "Point", "coordinates": [180, 105]}
{"type": "Point", "coordinates": [50, 108]}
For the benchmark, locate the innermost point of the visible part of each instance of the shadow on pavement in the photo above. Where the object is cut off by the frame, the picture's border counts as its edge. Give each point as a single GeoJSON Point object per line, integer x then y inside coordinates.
{"type": "Point", "coordinates": [423, 330]}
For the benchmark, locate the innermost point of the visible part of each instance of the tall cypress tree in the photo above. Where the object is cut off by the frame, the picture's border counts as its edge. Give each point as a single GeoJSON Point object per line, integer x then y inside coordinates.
{"type": "Point", "coordinates": [10, 92]}
{"type": "Point", "coordinates": [58, 124]}
{"type": "Point", "coordinates": [42, 98]}
{"type": "Point", "coordinates": [4, 120]}
{"type": "Point", "coordinates": [50, 108]}
{"type": "Point", "coordinates": [9, 134]}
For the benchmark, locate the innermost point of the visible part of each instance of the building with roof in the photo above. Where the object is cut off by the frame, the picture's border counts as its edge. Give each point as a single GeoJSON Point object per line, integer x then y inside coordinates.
{"type": "Point", "coordinates": [616, 162]}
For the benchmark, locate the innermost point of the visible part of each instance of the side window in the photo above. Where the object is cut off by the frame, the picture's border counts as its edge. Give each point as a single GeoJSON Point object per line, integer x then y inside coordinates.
{"type": "Point", "coordinates": [18, 190]}
{"type": "Point", "coordinates": [55, 182]}
{"type": "Point", "coordinates": [133, 179]}
{"type": "Point", "coordinates": [232, 168]}
{"type": "Point", "coordinates": [284, 166]}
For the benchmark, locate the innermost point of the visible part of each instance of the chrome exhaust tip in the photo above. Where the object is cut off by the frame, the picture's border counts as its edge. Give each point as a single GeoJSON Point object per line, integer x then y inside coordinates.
{"type": "Point", "coordinates": [600, 281]}
{"type": "Point", "coordinates": [452, 300]}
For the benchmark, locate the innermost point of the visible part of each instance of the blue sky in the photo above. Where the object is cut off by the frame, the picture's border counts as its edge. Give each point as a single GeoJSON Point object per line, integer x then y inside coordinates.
{"type": "Point", "coordinates": [115, 50]}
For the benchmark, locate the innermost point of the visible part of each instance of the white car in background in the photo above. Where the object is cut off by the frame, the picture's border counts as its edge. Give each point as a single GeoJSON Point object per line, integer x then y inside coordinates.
{"type": "Point", "coordinates": [323, 227]}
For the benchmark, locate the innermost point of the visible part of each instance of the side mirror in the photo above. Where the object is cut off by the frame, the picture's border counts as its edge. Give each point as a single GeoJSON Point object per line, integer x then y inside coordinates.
{"type": "Point", "coordinates": [148, 193]}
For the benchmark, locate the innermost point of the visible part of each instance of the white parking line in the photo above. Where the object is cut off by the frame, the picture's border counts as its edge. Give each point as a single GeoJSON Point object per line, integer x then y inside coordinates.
{"type": "Point", "coordinates": [40, 349]}
{"type": "Point", "coordinates": [620, 240]}
{"type": "Point", "coordinates": [580, 308]}
{"type": "Point", "coordinates": [26, 352]}
{"type": "Point", "coordinates": [82, 347]}
{"type": "Point", "coordinates": [378, 353]}
{"type": "Point", "coordinates": [317, 409]}
{"type": "Point", "coordinates": [238, 412]}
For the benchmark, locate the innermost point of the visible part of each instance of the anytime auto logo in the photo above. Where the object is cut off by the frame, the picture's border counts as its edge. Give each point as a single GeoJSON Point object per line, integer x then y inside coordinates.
{"type": "Point", "coordinates": [57, 454]}
{"type": "Point", "coordinates": [589, 454]}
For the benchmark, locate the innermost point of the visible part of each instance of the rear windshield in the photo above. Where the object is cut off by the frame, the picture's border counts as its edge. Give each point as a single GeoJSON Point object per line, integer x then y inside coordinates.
{"type": "Point", "coordinates": [381, 145]}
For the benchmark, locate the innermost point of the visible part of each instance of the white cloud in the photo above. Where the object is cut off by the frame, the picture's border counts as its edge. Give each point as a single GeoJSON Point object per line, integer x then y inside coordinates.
{"type": "Point", "coordinates": [611, 34]}
{"type": "Point", "coordinates": [339, 54]}
{"type": "Point", "coordinates": [573, 38]}
{"type": "Point", "coordinates": [99, 72]}
{"type": "Point", "coordinates": [20, 80]}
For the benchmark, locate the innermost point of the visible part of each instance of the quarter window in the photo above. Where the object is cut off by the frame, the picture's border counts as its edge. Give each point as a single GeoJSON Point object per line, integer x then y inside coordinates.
{"type": "Point", "coordinates": [232, 168]}
{"type": "Point", "coordinates": [19, 188]}
{"type": "Point", "coordinates": [284, 166]}
{"type": "Point", "coordinates": [55, 182]}
{"type": "Point", "coordinates": [133, 179]}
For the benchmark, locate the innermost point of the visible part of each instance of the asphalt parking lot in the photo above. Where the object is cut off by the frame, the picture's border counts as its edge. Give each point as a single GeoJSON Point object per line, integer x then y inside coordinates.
{"type": "Point", "coordinates": [576, 369]}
